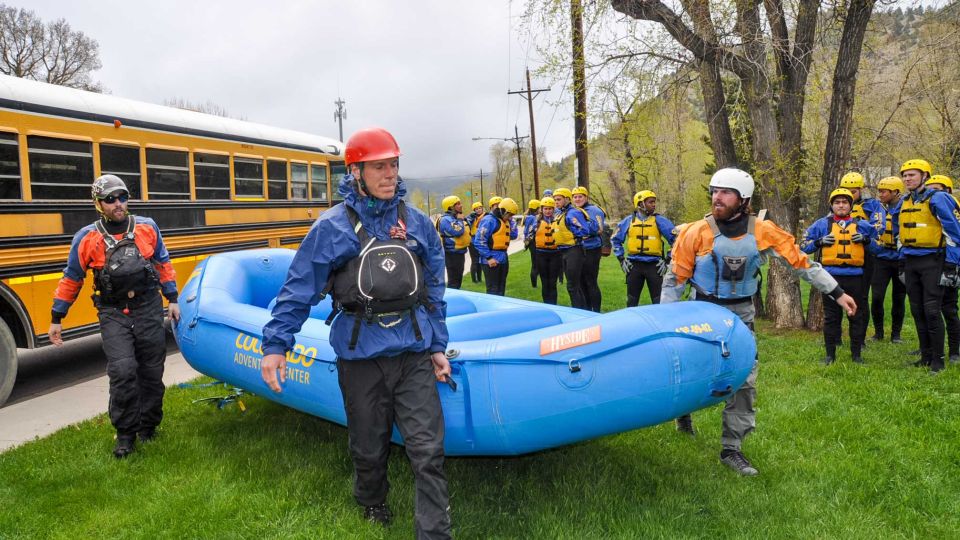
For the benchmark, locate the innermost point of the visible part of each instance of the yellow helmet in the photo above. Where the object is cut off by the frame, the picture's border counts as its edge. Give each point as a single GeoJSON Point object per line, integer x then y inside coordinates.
{"type": "Point", "coordinates": [852, 180]}
{"type": "Point", "coordinates": [580, 190]}
{"type": "Point", "coordinates": [510, 206]}
{"type": "Point", "coordinates": [548, 202]}
{"type": "Point", "coordinates": [642, 196]}
{"type": "Point", "coordinates": [534, 204]}
{"type": "Point", "coordinates": [918, 164]}
{"type": "Point", "coordinates": [447, 203]}
{"type": "Point", "coordinates": [563, 192]}
{"type": "Point", "coordinates": [891, 183]}
{"type": "Point", "coordinates": [840, 192]}
{"type": "Point", "coordinates": [941, 179]}
{"type": "Point", "coordinates": [494, 200]}
{"type": "Point", "coordinates": [476, 205]}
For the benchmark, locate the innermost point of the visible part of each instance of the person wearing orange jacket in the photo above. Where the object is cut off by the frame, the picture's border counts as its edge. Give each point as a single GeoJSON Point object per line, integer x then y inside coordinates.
{"type": "Point", "coordinates": [131, 267]}
{"type": "Point", "coordinates": [720, 258]}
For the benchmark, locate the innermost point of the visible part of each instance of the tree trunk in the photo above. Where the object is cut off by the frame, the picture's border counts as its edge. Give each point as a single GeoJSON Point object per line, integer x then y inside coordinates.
{"type": "Point", "coordinates": [815, 311]}
{"type": "Point", "coordinates": [836, 155]}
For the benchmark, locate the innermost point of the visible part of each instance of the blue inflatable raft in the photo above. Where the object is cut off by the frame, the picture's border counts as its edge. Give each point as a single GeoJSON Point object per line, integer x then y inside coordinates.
{"type": "Point", "coordinates": [529, 376]}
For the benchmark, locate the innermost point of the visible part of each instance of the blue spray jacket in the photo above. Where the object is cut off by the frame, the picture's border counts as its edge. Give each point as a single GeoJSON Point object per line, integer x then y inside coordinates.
{"type": "Point", "coordinates": [328, 246]}
{"type": "Point", "coordinates": [598, 217]}
{"type": "Point", "coordinates": [664, 225]}
{"type": "Point", "coordinates": [880, 251]}
{"type": "Point", "coordinates": [529, 226]}
{"type": "Point", "coordinates": [821, 228]}
{"type": "Point", "coordinates": [450, 228]}
{"type": "Point", "coordinates": [483, 240]}
{"type": "Point", "coordinates": [945, 208]}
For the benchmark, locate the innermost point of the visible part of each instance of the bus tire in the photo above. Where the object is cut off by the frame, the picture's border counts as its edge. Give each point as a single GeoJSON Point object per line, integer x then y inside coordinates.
{"type": "Point", "coordinates": [8, 362]}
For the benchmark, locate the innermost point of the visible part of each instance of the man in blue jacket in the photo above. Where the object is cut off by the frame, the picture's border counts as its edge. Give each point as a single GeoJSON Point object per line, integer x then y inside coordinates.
{"type": "Point", "coordinates": [390, 352]}
{"type": "Point", "coordinates": [571, 226]}
{"type": "Point", "coordinates": [640, 245]}
{"type": "Point", "coordinates": [873, 211]}
{"type": "Point", "coordinates": [493, 237]}
{"type": "Point", "coordinates": [929, 233]}
{"type": "Point", "coordinates": [887, 267]}
{"type": "Point", "coordinates": [455, 234]}
{"type": "Point", "coordinates": [591, 248]}
{"type": "Point", "coordinates": [529, 231]}
{"type": "Point", "coordinates": [841, 240]}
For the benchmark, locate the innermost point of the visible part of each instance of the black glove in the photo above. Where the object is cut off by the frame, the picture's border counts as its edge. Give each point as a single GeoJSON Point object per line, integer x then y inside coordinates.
{"type": "Point", "coordinates": [662, 267]}
{"type": "Point", "coordinates": [902, 271]}
{"type": "Point", "coordinates": [625, 264]}
{"type": "Point", "coordinates": [950, 276]}
{"type": "Point", "coordinates": [859, 239]}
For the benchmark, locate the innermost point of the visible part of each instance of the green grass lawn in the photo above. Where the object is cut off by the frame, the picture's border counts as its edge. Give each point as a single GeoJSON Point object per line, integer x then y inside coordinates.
{"type": "Point", "coordinates": [844, 451]}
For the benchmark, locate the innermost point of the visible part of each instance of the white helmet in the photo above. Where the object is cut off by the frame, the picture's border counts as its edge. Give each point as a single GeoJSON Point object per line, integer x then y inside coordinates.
{"type": "Point", "coordinates": [733, 179]}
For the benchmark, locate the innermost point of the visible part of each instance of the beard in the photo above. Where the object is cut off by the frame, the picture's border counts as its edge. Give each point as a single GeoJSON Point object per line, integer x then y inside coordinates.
{"type": "Point", "coordinates": [724, 213]}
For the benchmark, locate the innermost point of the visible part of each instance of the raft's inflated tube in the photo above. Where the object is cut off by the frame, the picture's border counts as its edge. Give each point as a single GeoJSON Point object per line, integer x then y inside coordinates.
{"type": "Point", "coordinates": [530, 376]}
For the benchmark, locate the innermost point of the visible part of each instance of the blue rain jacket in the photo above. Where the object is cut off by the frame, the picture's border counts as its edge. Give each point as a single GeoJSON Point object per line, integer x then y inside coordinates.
{"type": "Point", "coordinates": [598, 217]}
{"type": "Point", "coordinates": [451, 228]}
{"type": "Point", "coordinates": [529, 226]}
{"type": "Point", "coordinates": [328, 246]}
{"type": "Point", "coordinates": [945, 207]}
{"type": "Point", "coordinates": [878, 250]}
{"type": "Point", "coordinates": [664, 225]}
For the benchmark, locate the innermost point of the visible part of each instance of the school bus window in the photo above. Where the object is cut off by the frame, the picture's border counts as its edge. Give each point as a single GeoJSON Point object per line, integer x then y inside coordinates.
{"type": "Point", "coordinates": [212, 175]}
{"type": "Point", "coordinates": [318, 183]}
{"type": "Point", "coordinates": [60, 168]}
{"type": "Point", "coordinates": [123, 161]}
{"type": "Point", "coordinates": [9, 167]}
{"type": "Point", "coordinates": [276, 179]}
{"type": "Point", "coordinates": [337, 171]}
{"type": "Point", "coordinates": [298, 181]}
{"type": "Point", "coordinates": [168, 176]}
{"type": "Point", "coordinates": [248, 175]}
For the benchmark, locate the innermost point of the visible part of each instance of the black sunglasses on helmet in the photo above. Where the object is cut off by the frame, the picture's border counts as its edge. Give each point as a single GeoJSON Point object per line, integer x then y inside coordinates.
{"type": "Point", "coordinates": [110, 199]}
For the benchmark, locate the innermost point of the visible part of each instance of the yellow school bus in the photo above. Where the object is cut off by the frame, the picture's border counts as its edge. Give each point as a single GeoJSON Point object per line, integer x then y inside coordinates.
{"type": "Point", "coordinates": [212, 184]}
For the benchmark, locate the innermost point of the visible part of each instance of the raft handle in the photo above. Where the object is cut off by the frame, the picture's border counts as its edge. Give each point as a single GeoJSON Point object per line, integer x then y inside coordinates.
{"type": "Point", "coordinates": [573, 366]}
{"type": "Point", "coordinates": [452, 353]}
{"type": "Point", "coordinates": [191, 298]}
{"type": "Point", "coordinates": [724, 350]}
{"type": "Point", "coordinates": [722, 393]}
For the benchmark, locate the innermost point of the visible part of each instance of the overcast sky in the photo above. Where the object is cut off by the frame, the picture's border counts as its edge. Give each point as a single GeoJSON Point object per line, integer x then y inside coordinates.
{"type": "Point", "coordinates": [434, 72]}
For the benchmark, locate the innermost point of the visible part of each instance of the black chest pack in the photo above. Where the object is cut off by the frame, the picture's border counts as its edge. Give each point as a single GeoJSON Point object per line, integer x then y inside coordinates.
{"type": "Point", "coordinates": [383, 283]}
{"type": "Point", "coordinates": [125, 272]}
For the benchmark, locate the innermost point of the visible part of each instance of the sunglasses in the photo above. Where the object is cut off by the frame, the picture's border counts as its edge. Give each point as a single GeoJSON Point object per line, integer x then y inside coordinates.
{"type": "Point", "coordinates": [110, 199]}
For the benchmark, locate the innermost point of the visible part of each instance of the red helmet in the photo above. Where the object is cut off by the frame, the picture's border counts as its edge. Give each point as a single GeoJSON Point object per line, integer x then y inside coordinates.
{"type": "Point", "coordinates": [371, 144]}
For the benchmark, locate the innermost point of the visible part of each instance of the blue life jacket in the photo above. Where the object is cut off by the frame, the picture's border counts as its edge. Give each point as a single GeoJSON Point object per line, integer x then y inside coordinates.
{"type": "Point", "coordinates": [731, 270]}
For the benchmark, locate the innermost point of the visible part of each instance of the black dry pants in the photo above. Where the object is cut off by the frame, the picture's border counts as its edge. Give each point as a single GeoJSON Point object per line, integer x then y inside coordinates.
{"type": "Point", "coordinates": [454, 263]}
{"type": "Point", "coordinates": [135, 347]}
{"type": "Point", "coordinates": [549, 266]}
{"type": "Point", "coordinates": [884, 272]}
{"type": "Point", "coordinates": [589, 276]}
{"type": "Point", "coordinates": [833, 317]}
{"type": "Point", "coordinates": [534, 270]}
{"type": "Point", "coordinates": [377, 393]}
{"type": "Point", "coordinates": [476, 275]}
{"type": "Point", "coordinates": [496, 278]}
{"type": "Point", "coordinates": [926, 301]}
{"type": "Point", "coordinates": [640, 273]}
{"type": "Point", "coordinates": [951, 320]}
{"type": "Point", "coordinates": [573, 261]}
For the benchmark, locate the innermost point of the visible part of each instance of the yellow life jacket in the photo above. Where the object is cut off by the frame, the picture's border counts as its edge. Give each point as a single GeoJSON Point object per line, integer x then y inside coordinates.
{"type": "Point", "coordinates": [545, 235]}
{"type": "Point", "coordinates": [501, 237]}
{"type": "Point", "coordinates": [886, 237]}
{"type": "Point", "coordinates": [844, 252]}
{"type": "Point", "coordinates": [919, 228]}
{"type": "Point", "coordinates": [563, 235]}
{"type": "Point", "coordinates": [476, 223]}
{"type": "Point", "coordinates": [857, 212]}
{"type": "Point", "coordinates": [644, 238]}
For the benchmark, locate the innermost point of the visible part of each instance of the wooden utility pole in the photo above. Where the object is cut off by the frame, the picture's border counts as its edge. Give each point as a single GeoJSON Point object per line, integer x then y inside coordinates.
{"type": "Point", "coordinates": [516, 140]}
{"type": "Point", "coordinates": [533, 132]}
{"type": "Point", "coordinates": [579, 96]}
{"type": "Point", "coordinates": [340, 114]}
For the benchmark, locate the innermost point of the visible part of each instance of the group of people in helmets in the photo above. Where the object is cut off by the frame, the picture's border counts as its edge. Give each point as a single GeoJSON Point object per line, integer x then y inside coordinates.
{"type": "Point", "coordinates": [907, 237]}
{"type": "Point", "coordinates": [562, 231]}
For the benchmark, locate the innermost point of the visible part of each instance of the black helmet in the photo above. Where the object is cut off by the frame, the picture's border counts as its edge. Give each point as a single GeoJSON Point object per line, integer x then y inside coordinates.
{"type": "Point", "coordinates": [105, 185]}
